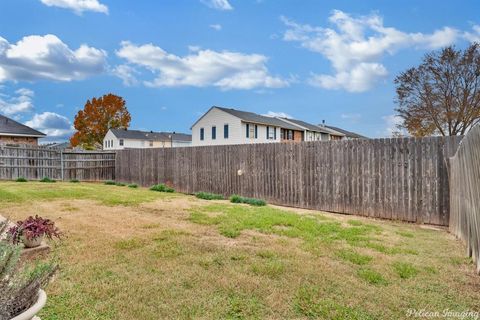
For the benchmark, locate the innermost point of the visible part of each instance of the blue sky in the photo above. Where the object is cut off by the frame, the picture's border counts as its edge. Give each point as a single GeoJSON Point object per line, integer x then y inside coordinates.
{"type": "Point", "coordinates": [173, 59]}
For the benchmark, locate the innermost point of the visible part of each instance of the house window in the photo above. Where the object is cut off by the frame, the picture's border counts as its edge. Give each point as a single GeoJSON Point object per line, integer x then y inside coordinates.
{"type": "Point", "coordinates": [256, 132]}
{"type": "Point", "coordinates": [275, 133]}
{"type": "Point", "coordinates": [214, 133]}
{"type": "Point", "coordinates": [150, 143]}
{"type": "Point", "coordinates": [290, 135]}
{"type": "Point", "coordinates": [252, 131]}
{"type": "Point", "coordinates": [105, 143]}
{"type": "Point", "coordinates": [271, 133]}
{"type": "Point", "coordinates": [202, 134]}
{"type": "Point", "coordinates": [121, 142]}
{"type": "Point", "coordinates": [225, 131]}
{"type": "Point", "coordinates": [111, 143]}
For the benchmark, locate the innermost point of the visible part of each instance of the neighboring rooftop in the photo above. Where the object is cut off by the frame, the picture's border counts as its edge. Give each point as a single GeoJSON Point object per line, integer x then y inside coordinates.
{"type": "Point", "coordinates": [150, 135]}
{"type": "Point", "coordinates": [11, 127]}
{"type": "Point", "coordinates": [307, 126]}
{"type": "Point", "coordinates": [348, 134]}
{"type": "Point", "coordinates": [256, 118]}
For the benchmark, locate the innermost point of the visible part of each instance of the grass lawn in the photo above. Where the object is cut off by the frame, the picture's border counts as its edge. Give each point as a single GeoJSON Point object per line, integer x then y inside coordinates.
{"type": "Point", "coordinates": [139, 254]}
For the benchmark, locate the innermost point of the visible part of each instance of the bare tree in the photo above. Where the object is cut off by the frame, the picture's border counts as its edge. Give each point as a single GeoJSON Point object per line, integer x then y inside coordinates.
{"type": "Point", "coordinates": [442, 95]}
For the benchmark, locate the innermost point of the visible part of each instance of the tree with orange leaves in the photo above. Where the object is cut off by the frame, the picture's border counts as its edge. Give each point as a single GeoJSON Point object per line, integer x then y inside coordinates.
{"type": "Point", "coordinates": [97, 117]}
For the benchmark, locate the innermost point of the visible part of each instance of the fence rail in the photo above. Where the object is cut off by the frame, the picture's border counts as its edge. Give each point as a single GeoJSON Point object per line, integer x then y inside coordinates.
{"type": "Point", "coordinates": [399, 179]}
{"type": "Point", "coordinates": [34, 163]}
{"type": "Point", "coordinates": [465, 194]}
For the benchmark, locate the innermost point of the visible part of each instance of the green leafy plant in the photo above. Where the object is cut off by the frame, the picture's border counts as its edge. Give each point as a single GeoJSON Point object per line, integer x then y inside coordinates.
{"type": "Point", "coordinates": [19, 282]}
{"type": "Point", "coordinates": [74, 181]}
{"type": "Point", "coordinates": [209, 196]}
{"type": "Point", "coordinates": [251, 201]}
{"type": "Point", "coordinates": [33, 227]}
{"type": "Point", "coordinates": [109, 183]}
{"type": "Point", "coordinates": [120, 184]}
{"type": "Point", "coordinates": [133, 186]}
{"type": "Point", "coordinates": [21, 179]}
{"type": "Point", "coordinates": [47, 180]}
{"type": "Point", "coordinates": [161, 188]}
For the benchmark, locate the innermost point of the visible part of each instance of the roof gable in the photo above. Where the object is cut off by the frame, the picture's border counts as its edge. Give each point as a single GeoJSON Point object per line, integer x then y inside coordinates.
{"type": "Point", "coordinates": [10, 126]}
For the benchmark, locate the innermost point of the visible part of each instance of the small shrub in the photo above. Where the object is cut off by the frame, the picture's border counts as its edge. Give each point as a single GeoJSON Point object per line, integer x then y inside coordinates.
{"type": "Point", "coordinates": [74, 181]}
{"type": "Point", "coordinates": [47, 180]}
{"type": "Point", "coordinates": [371, 276]}
{"type": "Point", "coordinates": [21, 179]}
{"type": "Point", "coordinates": [133, 186]}
{"type": "Point", "coordinates": [209, 196]}
{"type": "Point", "coordinates": [109, 183]}
{"type": "Point", "coordinates": [161, 188]}
{"type": "Point", "coordinates": [120, 184]}
{"type": "Point", "coordinates": [251, 201]}
{"type": "Point", "coordinates": [405, 270]}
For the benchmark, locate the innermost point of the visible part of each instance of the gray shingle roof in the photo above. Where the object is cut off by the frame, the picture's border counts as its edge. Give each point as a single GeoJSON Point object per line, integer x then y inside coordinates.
{"type": "Point", "coordinates": [149, 135]}
{"type": "Point", "coordinates": [349, 134]}
{"type": "Point", "coordinates": [256, 118]}
{"type": "Point", "coordinates": [9, 126]}
{"type": "Point", "coordinates": [308, 126]}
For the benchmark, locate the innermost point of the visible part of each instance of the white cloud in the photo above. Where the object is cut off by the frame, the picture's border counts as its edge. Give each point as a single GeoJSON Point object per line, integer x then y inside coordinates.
{"type": "Point", "coordinates": [55, 126]}
{"type": "Point", "coordinates": [217, 27]}
{"type": "Point", "coordinates": [473, 36]}
{"type": "Point", "coordinates": [353, 117]}
{"type": "Point", "coordinates": [127, 74]}
{"type": "Point", "coordinates": [22, 102]}
{"type": "Point", "coordinates": [391, 126]}
{"type": "Point", "coordinates": [218, 4]}
{"type": "Point", "coordinates": [202, 68]}
{"type": "Point", "coordinates": [47, 57]}
{"type": "Point", "coordinates": [356, 45]}
{"type": "Point", "coordinates": [78, 6]}
{"type": "Point", "coordinates": [277, 114]}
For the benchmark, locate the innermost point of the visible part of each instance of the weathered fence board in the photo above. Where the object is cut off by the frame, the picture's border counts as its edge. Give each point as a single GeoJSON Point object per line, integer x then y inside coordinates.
{"type": "Point", "coordinates": [400, 179]}
{"type": "Point", "coordinates": [34, 163]}
{"type": "Point", "coordinates": [465, 193]}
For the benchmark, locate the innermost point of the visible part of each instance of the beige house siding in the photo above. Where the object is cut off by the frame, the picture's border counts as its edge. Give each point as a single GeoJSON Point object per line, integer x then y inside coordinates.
{"type": "Point", "coordinates": [18, 140]}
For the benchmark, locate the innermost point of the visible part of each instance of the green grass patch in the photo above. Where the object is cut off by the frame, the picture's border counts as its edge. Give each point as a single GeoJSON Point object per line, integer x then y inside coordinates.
{"type": "Point", "coordinates": [74, 181]}
{"type": "Point", "coordinates": [133, 186]}
{"type": "Point", "coordinates": [354, 257]}
{"type": "Point", "coordinates": [129, 244]}
{"type": "Point", "coordinates": [162, 188]}
{"type": "Point", "coordinates": [371, 276]}
{"type": "Point", "coordinates": [251, 201]}
{"type": "Point", "coordinates": [232, 220]}
{"type": "Point", "coordinates": [47, 180]}
{"type": "Point", "coordinates": [405, 234]}
{"type": "Point", "coordinates": [209, 196]}
{"type": "Point", "coordinates": [309, 302]}
{"type": "Point", "coordinates": [13, 192]}
{"type": "Point", "coordinates": [405, 270]}
{"type": "Point", "coordinates": [109, 183]}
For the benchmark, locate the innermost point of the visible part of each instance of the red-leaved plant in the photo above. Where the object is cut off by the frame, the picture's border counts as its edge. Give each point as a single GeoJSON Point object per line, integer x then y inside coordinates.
{"type": "Point", "coordinates": [34, 227]}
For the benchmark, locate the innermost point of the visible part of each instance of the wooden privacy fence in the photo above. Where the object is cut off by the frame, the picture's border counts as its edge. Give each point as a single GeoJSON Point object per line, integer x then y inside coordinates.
{"type": "Point", "coordinates": [465, 193]}
{"type": "Point", "coordinates": [399, 179]}
{"type": "Point", "coordinates": [34, 163]}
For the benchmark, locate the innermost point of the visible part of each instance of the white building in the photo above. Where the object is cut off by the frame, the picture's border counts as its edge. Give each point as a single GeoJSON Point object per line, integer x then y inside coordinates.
{"type": "Point", "coordinates": [222, 126]}
{"type": "Point", "coordinates": [118, 139]}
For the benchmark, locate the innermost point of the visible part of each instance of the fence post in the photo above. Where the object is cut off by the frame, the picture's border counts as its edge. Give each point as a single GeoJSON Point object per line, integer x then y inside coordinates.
{"type": "Point", "coordinates": [61, 164]}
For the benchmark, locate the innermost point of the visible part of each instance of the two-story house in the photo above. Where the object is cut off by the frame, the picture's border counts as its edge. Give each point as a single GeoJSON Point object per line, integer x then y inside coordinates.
{"type": "Point", "coordinates": [222, 126]}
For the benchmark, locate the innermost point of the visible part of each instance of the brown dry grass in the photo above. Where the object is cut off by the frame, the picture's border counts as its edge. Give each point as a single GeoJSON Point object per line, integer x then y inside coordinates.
{"type": "Point", "coordinates": [151, 261]}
